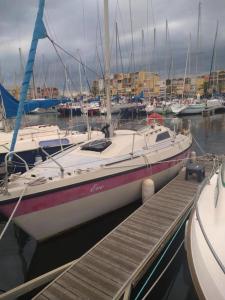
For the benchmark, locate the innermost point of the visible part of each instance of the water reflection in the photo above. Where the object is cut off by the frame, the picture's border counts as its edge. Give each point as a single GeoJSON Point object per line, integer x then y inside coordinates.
{"type": "Point", "coordinates": [16, 252]}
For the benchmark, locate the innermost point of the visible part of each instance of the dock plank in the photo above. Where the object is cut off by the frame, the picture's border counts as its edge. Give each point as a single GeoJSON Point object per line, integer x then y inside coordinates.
{"type": "Point", "coordinates": [108, 270]}
{"type": "Point", "coordinates": [118, 259]}
{"type": "Point", "coordinates": [79, 287]}
{"type": "Point", "coordinates": [93, 278]}
{"type": "Point", "coordinates": [122, 249]}
{"type": "Point", "coordinates": [58, 292]}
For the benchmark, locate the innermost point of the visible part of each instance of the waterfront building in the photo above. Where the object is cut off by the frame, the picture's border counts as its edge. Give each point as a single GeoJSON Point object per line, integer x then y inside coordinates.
{"type": "Point", "coordinates": [130, 84]}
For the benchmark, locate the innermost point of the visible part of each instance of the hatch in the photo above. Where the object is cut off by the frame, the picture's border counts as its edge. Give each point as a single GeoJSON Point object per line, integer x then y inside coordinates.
{"type": "Point", "coordinates": [97, 145]}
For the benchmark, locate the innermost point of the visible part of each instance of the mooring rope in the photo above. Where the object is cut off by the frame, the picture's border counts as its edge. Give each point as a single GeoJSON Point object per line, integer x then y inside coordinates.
{"type": "Point", "coordinates": [13, 212]}
{"type": "Point", "coordinates": [199, 146]}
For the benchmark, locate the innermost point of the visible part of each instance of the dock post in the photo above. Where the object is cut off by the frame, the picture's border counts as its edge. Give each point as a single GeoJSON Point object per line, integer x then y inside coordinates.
{"type": "Point", "coordinates": [127, 292]}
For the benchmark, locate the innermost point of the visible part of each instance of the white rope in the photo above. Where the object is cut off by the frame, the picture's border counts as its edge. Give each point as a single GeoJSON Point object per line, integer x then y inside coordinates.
{"type": "Point", "coordinates": [13, 213]}
{"type": "Point", "coordinates": [203, 152]}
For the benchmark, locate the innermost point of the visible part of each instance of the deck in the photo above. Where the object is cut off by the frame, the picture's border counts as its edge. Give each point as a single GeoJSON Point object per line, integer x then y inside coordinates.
{"type": "Point", "coordinates": [108, 270]}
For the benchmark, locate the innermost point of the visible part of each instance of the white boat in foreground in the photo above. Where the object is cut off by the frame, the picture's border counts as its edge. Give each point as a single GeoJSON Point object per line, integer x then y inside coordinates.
{"type": "Point", "coordinates": [99, 176]}
{"type": "Point", "coordinates": [205, 239]}
{"type": "Point", "coordinates": [84, 182]}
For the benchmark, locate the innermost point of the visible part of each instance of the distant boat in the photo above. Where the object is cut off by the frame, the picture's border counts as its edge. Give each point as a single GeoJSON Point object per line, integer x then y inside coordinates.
{"type": "Point", "coordinates": [186, 108]}
{"type": "Point", "coordinates": [70, 109]}
{"type": "Point", "coordinates": [162, 107]}
{"type": "Point", "coordinates": [205, 238]}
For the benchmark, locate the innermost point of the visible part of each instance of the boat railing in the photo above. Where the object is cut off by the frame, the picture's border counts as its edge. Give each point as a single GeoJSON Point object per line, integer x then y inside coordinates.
{"type": "Point", "coordinates": [55, 161]}
{"type": "Point", "coordinates": [201, 225]}
{"type": "Point", "coordinates": [221, 178]}
{"type": "Point", "coordinates": [223, 173]}
{"type": "Point", "coordinates": [4, 146]}
{"type": "Point", "coordinates": [108, 162]}
{"type": "Point", "coordinates": [205, 181]}
{"type": "Point", "coordinates": [9, 155]}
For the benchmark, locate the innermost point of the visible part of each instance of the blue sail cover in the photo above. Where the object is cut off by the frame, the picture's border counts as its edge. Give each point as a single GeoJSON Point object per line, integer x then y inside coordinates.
{"type": "Point", "coordinates": [140, 97]}
{"type": "Point", "coordinates": [11, 105]}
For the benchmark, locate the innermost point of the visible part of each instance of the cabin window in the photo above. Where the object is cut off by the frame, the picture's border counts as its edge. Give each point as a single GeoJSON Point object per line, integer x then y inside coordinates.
{"type": "Point", "coordinates": [54, 143]}
{"type": "Point", "coordinates": [162, 136]}
{"type": "Point", "coordinates": [98, 145]}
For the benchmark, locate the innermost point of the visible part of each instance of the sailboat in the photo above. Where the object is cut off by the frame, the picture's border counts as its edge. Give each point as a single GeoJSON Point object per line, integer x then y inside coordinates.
{"type": "Point", "coordinates": [33, 143]}
{"type": "Point", "coordinates": [85, 182]}
{"type": "Point", "coordinates": [205, 238]}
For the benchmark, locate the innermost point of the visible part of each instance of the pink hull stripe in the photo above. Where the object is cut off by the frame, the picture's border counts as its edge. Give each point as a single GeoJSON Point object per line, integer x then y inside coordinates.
{"type": "Point", "coordinates": [59, 197]}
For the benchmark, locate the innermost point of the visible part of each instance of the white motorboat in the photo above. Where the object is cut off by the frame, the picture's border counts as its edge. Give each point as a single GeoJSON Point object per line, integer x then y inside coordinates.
{"type": "Point", "coordinates": [99, 176]}
{"type": "Point", "coordinates": [193, 108]}
{"type": "Point", "coordinates": [178, 108]}
{"type": "Point", "coordinates": [205, 239]}
{"type": "Point", "coordinates": [149, 108]}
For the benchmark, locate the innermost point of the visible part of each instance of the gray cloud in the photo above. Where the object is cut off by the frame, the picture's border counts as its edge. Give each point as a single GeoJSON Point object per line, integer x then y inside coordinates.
{"type": "Point", "coordinates": [74, 24]}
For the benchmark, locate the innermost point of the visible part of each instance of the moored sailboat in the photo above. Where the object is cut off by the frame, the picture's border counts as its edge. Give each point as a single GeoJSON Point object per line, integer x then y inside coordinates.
{"type": "Point", "coordinates": [34, 141]}
{"type": "Point", "coordinates": [97, 177]}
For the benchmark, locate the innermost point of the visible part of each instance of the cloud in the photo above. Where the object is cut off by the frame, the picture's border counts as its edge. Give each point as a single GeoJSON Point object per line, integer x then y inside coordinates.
{"type": "Point", "coordinates": [78, 24]}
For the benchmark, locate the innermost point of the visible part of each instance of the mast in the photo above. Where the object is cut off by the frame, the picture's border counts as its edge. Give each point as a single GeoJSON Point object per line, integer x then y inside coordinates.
{"type": "Point", "coordinates": [116, 48]}
{"type": "Point", "coordinates": [107, 66]}
{"type": "Point", "coordinates": [81, 87]}
{"type": "Point", "coordinates": [39, 33]}
{"type": "Point", "coordinates": [198, 36]}
{"type": "Point", "coordinates": [85, 41]}
{"type": "Point", "coordinates": [213, 54]}
{"type": "Point", "coordinates": [119, 48]}
{"type": "Point", "coordinates": [171, 82]}
{"type": "Point", "coordinates": [154, 50]}
{"type": "Point", "coordinates": [132, 38]}
{"type": "Point", "coordinates": [143, 49]}
{"type": "Point", "coordinates": [166, 55]}
{"type": "Point", "coordinates": [21, 62]}
{"type": "Point", "coordinates": [186, 66]}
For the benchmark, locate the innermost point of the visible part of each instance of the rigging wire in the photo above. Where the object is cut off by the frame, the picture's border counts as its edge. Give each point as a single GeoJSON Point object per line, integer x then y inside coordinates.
{"type": "Point", "coordinates": [56, 45]}
{"type": "Point", "coordinates": [63, 64]}
{"type": "Point", "coordinates": [126, 47]}
{"type": "Point", "coordinates": [120, 52]}
{"type": "Point", "coordinates": [85, 74]}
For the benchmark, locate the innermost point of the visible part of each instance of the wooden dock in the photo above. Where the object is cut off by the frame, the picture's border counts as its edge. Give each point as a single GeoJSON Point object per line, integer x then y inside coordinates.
{"type": "Point", "coordinates": [112, 266]}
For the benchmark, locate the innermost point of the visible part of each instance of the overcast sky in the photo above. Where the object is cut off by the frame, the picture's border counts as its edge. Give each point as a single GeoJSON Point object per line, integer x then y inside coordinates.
{"type": "Point", "coordinates": [78, 24]}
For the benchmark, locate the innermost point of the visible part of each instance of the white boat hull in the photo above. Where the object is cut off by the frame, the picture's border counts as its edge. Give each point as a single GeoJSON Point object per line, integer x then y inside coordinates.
{"type": "Point", "coordinates": [49, 222]}
{"type": "Point", "coordinates": [205, 244]}
{"type": "Point", "coordinates": [93, 183]}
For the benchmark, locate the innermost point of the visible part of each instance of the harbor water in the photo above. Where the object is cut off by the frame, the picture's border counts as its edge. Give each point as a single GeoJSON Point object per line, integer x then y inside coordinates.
{"type": "Point", "coordinates": [22, 258]}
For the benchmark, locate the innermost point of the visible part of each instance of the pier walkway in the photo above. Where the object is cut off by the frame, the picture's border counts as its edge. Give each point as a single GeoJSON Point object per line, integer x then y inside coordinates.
{"type": "Point", "coordinates": [117, 262]}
